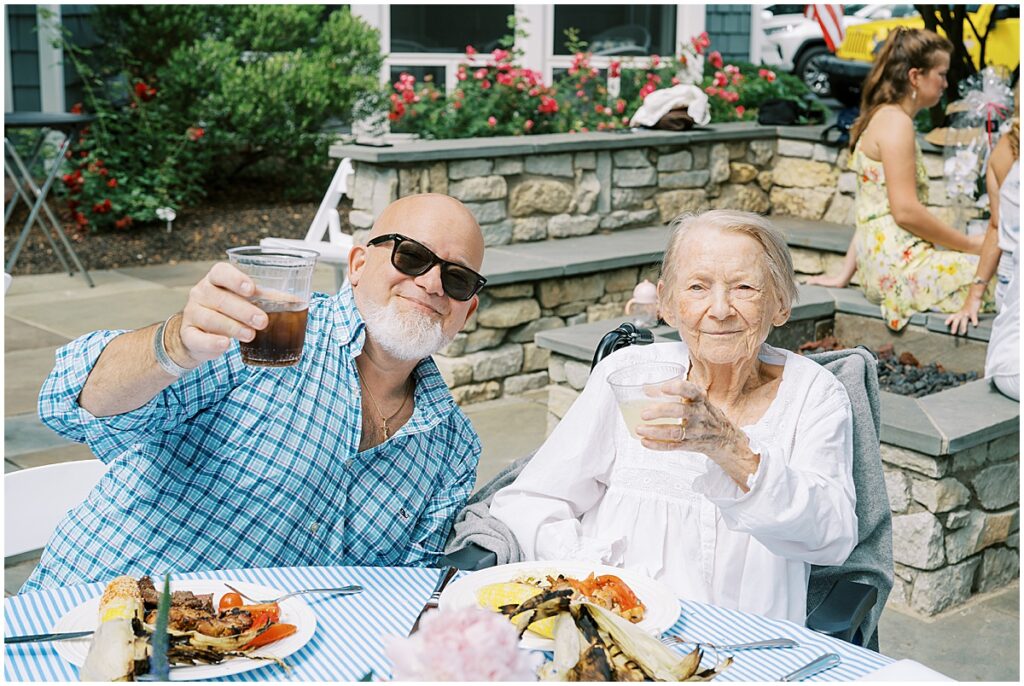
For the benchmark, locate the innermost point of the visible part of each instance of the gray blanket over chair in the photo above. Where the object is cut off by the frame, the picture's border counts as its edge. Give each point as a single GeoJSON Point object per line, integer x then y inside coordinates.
{"type": "Point", "coordinates": [871, 560]}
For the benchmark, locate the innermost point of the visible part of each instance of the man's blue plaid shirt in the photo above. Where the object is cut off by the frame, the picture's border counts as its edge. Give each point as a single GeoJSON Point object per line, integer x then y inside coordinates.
{"type": "Point", "coordinates": [234, 466]}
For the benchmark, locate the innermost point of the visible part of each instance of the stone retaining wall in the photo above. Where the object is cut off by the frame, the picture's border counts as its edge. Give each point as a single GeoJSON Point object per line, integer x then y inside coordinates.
{"type": "Point", "coordinates": [547, 196]}
{"type": "Point", "coordinates": [955, 522]}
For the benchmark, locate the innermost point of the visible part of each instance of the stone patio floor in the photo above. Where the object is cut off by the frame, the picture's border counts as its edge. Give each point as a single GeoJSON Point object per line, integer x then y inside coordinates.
{"type": "Point", "coordinates": [979, 641]}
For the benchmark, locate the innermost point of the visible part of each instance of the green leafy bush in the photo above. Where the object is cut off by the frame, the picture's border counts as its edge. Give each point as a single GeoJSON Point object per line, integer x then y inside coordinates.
{"type": "Point", "coordinates": [192, 95]}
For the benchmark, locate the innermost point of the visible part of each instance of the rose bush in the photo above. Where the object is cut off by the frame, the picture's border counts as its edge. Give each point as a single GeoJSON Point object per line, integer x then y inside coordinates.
{"type": "Point", "coordinates": [189, 96]}
{"type": "Point", "coordinates": [496, 97]}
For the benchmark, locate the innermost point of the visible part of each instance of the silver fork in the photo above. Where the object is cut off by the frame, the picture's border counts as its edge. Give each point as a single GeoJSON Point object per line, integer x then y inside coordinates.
{"type": "Point", "coordinates": [343, 590]}
{"type": "Point", "coordinates": [669, 640]}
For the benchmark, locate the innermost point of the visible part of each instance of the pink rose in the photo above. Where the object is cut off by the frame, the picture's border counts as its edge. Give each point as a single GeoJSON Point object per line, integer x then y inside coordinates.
{"type": "Point", "coordinates": [468, 644]}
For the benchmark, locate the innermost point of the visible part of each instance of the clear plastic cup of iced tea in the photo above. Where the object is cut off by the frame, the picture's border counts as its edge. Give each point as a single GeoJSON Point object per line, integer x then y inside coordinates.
{"type": "Point", "coordinates": [283, 278]}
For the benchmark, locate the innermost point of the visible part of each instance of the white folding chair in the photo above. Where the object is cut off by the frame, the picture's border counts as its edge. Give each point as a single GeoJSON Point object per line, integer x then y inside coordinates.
{"type": "Point", "coordinates": [36, 499]}
{"type": "Point", "coordinates": [335, 249]}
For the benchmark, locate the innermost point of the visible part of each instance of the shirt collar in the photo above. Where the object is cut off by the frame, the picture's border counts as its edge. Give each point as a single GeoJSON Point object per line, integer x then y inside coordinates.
{"type": "Point", "coordinates": [349, 330]}
{"type": "Point", "coordinates": [349, 326]}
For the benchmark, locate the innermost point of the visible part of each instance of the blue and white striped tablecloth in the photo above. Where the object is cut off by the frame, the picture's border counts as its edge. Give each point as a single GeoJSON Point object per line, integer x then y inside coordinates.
{"type": "Point", "coordinates": [349, 639]}
{"type": "Point", "coordinates": [719, 625]}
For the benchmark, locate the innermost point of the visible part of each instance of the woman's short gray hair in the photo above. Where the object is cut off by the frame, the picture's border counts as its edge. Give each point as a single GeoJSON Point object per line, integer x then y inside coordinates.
{"type": "Point", "coordinates": [776, 253]}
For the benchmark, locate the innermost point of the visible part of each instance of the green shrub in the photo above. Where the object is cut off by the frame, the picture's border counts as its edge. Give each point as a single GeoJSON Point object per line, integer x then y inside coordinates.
{"type": "Point", "coordinates": [194, 95]}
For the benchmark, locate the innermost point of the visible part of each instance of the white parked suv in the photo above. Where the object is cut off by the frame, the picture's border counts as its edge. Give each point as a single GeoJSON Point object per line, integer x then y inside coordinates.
{"type": "Point", "coordinates": [794, 43]}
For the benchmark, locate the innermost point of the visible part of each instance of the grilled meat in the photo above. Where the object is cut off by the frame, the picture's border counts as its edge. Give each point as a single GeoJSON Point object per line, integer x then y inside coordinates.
{"type": "Point", "coordinates": [149, 595]}
{"type": "Point", "coordinates": [181, 618]}
{"type": "Point", "coordinates": [231, 623]}
{"type": "Point", "coordinates": [193, 601]}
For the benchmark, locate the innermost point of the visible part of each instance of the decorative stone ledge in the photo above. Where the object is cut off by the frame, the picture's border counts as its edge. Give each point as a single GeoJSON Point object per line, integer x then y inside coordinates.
{"type": "Point", "coordinates": [553, 187]}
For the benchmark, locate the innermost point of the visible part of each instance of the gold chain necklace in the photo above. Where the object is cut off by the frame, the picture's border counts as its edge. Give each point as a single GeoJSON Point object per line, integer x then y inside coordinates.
{"type": "Point", "coordinates": [384, 420]}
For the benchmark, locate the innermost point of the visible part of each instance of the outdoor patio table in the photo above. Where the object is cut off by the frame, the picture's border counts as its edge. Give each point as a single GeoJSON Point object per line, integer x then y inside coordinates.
{"type": "Point", "coordinates": [350, 632]}
{"type": "Point", "coordinates": [26, 188]}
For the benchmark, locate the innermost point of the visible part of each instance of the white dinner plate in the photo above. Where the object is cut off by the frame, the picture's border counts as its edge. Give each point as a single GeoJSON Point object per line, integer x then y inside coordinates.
{"type": "Point", "coordinates": [662, 606]}
{"type": "Point", "coordinates": [293, 611]}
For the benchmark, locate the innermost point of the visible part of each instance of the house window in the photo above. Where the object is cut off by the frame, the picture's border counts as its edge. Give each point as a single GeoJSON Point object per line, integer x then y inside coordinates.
{"type": "Point", "coordinates": [618, 29]}
{"type": "Point", "coordinates": [24, 56]}
{"type": "Point", "coordinates": [433, 75]}
{"type": "Point", "coordinates": [448, 28]}
{"type": "Point", "coordinates": [77, 22]}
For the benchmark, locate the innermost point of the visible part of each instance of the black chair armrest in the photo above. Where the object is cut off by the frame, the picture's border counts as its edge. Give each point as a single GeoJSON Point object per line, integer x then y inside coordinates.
{"type": "Point", "coordinates": [843, 610]}
{"type": "Point", "coordinates": [469, 559]}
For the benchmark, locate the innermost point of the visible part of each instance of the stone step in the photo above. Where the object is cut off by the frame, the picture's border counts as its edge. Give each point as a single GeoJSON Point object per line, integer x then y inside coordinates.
{"type": "Point", "coordinates": [562, 257]}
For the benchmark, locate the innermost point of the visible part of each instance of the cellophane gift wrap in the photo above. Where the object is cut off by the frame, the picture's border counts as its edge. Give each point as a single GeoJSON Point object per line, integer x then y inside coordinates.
{"type": "Point", "coordinates": [986, 102]}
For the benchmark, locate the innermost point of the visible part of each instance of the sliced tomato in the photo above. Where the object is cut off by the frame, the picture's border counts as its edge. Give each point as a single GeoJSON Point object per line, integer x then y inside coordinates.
{"type": "Point", "coordinates": [267, 613]}
{"type": "Point", "coordinates": [274, 633]}
{"type": "Point", "coordinates": [624, 595]}
{"type": "Point", "coordinates": [586, 586]}
{"type": "Point", "coordinates": [228, 601]}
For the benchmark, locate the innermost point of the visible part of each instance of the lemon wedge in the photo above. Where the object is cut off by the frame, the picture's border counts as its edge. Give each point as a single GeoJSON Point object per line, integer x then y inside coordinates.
{"type": "Point", "coordinates": [493, 596]}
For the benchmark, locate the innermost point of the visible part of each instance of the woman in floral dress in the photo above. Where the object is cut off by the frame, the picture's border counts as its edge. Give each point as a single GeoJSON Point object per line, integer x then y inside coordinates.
{"type": "Point", "coordinates": [898, 262]}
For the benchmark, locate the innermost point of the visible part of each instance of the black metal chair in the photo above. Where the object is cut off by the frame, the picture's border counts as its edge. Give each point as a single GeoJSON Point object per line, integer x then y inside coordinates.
{"type": "Point", "coordinates": [847, 593]}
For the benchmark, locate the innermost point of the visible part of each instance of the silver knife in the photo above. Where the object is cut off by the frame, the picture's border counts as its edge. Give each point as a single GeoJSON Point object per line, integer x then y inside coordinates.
{"type": "Point", "coordinates": [41, 638]}
{"type": "Point", "coordinates": [820, 664]}
{"type": "Point", "coordinates": [446, 576]}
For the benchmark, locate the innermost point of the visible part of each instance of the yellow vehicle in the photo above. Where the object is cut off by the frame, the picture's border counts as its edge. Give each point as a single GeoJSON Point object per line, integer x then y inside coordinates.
{"type": "Point", "coordinates": [852, 61]}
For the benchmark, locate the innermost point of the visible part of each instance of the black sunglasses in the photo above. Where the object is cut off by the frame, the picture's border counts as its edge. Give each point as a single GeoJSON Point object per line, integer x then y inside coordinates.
{"type": "Point", "coordinates": [415, 259]}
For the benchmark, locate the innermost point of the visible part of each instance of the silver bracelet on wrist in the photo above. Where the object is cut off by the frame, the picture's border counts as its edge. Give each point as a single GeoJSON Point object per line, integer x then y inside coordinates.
{"type": "Point", "coordinates": [162, 358]}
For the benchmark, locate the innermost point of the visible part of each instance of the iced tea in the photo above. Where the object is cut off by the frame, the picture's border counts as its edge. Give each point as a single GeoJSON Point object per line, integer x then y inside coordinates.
{"type": "Point", "coordinates": [280, 343]}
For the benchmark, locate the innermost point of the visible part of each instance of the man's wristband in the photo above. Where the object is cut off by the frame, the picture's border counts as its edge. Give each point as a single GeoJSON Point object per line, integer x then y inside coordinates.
{"type": "Point", "coordinates": [978, 281]}
{"type": "Point", "coordinates": [162, 358]}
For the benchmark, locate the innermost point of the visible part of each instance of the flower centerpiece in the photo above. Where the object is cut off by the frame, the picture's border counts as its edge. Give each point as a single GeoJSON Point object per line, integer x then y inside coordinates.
{"type": "Point", "coordinates": [468, 644]}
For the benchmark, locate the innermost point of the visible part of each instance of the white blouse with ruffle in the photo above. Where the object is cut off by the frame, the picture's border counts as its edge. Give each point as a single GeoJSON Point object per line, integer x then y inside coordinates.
{"type": "Point", "coordinates": [592, 492]}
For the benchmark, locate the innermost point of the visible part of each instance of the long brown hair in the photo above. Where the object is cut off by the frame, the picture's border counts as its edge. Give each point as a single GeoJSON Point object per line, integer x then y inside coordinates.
{"type": "Point", "coordinates": [888, 82]}
{"type": "Point", "coordinates": [1014, 136]}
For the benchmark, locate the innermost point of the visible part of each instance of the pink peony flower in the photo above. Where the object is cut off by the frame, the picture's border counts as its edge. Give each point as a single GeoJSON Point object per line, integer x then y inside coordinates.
{"type": "Point", "coordinates": [715, 59]}
{"type": "Point", "coordinates": [740, 109]}
{"type": "Point", "coordinates": [528, 125]}
{"type": "Point", "coordinates": [491, 121]}
{"type": "Point", "coordinates": [468, 644]}
{"type": "Point", "coordinates": [480, 73]}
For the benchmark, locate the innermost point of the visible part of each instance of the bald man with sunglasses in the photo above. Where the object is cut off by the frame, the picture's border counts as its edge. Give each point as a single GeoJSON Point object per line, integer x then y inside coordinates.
{"type": "Point", "coordinates": [358, 455]}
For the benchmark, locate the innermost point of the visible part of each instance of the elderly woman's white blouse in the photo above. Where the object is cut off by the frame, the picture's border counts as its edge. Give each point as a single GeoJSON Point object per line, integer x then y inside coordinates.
{"type": "Point", "coordinates": [593, 492]}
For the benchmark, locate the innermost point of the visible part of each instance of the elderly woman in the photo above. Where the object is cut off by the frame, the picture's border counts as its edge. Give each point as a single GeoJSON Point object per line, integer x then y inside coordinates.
{"type": "Point", "coordinates": [753, 482]}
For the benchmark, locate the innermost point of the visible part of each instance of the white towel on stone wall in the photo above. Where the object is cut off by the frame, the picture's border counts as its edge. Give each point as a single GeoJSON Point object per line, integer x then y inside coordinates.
{"type": "Point", "coordinates": [661, 102]}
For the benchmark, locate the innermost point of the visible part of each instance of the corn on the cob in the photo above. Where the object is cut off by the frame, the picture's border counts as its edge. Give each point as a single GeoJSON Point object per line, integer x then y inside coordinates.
{"type": "Point", "coordinates": [494, 596]}
{"type": "Point", "coordinates": [112, 653]}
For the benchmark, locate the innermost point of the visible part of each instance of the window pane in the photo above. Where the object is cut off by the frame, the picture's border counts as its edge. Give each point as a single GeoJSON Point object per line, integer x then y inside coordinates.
{"type": "Point", "coordinates": [618, 29]}
{"type": "Point", "coordinates": [448, 28]}
{"type": "Point", "coordinates": [433, 75]}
